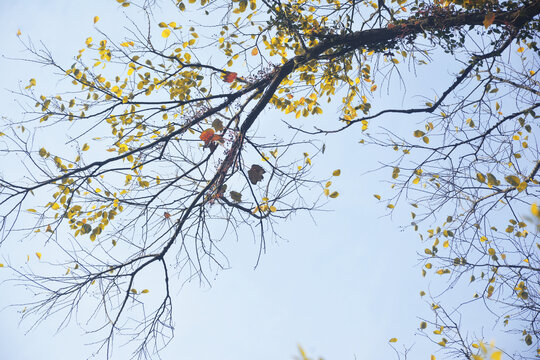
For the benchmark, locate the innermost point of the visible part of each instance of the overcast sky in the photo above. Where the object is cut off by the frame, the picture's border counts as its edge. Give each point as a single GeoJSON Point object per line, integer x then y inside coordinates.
{"type": "Point", "coordinates": [341, 285]}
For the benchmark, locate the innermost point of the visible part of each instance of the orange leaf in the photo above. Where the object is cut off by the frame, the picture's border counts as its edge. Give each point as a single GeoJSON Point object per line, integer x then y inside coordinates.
{"type": "Point", "coordinates": [207, 136]}
{"type": "Point", "coordinates": [254, 51]}
{"type": "Point", "coordinates": [167, 215]}
{"type": "Point", "coordinates": [488, 20]}
{"type": "Point", "coordinates": [230, 76]}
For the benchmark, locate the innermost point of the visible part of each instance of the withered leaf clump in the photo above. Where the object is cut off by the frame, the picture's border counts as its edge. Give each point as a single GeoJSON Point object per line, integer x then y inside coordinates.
{"type": "Point", "coordinates": [236, 196]}
{"type": "Point", "coordinates": [255, 174]}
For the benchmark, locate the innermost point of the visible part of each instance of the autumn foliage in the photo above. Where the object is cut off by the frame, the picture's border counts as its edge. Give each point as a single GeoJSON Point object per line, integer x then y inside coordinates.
{"type": "Point", "coordinates": [464, 163]}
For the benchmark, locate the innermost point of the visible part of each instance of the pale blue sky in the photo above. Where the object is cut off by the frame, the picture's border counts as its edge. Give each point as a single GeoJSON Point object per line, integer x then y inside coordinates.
{"type": "Point", "coordinates": [341, 286]}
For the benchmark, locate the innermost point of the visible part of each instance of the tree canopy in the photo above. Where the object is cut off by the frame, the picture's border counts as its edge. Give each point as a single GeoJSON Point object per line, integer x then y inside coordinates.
{"type": "Point", "coordinates": [180, 136]}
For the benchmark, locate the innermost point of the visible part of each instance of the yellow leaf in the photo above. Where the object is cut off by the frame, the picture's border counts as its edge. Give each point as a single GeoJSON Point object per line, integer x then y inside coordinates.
{"type": "Point", "coordinates": [96, 19]}
{"type": "Point", "coordinates": [535, 209]}
{"type": "Point", "coordinates": [32, 83]}
{"type": "Point", "coordinates": [19, 32]}
{"type": "Point", "coordinates": [133, 291]}
{"type": "Point", "coordinates": [392, 340]}
{"type": "Point", "coordinates": [303, 353]}
{"type": "Point", "coordinates": [522, 186]}
{"type": "Point", "coordinates": [273, 209]}
{"type": "Point", "coordinates": [145, 291]}
{"type": "Point", "coordinates": [483, 347]}
{"type": "Point", "coordinates": [31, 210]}
{"type": "Point", "coordinates": [334, 195]}
{"type": "Point", "coordinates": [512, 180]}
{"type": "Point", "coordinates": [165, 33]}
{"type": "Point", "coordinates": [378, 197]}
{"type": "Point", "coordinates": [55, 206]}
{"type": "Point", "coordinates": [432, 357]}
{"type": "Point", "coordinates": [85, 147]}
{"type": "Point", "coordinates": [88, 41]}
{"type": "Point", "coordinates": [38, 254]}
{"type": "Point", "coordinates": [497, 355]}
{"type": "Point", "coordinates": [336, 172]}
{"type": "Point", "coordinates": [480, 177]}
{"type": "Point", "coordinates": [1, 265]}
{"type": "Point", "coordinates": [419, 133]}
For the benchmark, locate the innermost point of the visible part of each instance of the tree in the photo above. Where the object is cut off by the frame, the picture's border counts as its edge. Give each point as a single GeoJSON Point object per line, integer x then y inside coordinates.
{"type": "Point", "coordinates": [168, 159]}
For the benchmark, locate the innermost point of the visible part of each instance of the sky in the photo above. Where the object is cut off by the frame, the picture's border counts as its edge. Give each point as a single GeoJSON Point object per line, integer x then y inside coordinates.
{"type": "Point", "coordinates": [341, 283]}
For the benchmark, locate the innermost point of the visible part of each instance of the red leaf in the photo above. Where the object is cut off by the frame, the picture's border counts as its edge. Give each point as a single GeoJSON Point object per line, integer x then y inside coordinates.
{"type": "Point", "coordinates": [207, 136]}
{"type": "Point", "coordinates": [230, 76]}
